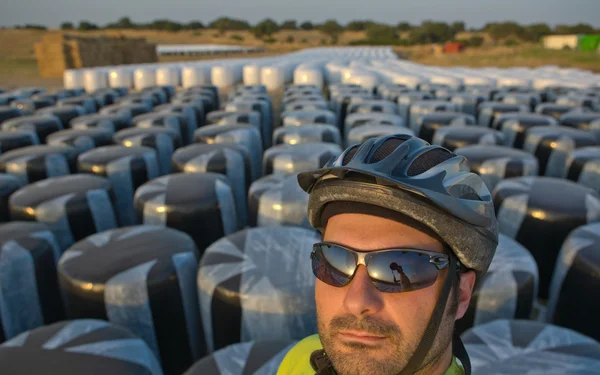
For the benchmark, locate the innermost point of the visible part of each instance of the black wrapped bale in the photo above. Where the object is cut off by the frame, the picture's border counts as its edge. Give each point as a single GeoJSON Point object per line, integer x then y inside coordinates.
{"type": "Point", "coordinates": [266, 116]}
{"type": "Point", "coordinates": [8, 185]}
{"type": "Point", "coordinates": [355, 120]}
{"type": "Point", "coordinates": [292, 159]}
{"type": "Point", "coordinates": [514, 347]}
{"type": "Point", "coordinates": [497, 163]}
{"type": "Point", "coordinates": [539, 213]}
{"type": "Point", "coordinates": [373, 106]}
{"type": "Point", "coordinates": [467, 102]}
{"type": "Point", "coordinates": [7, 112]}
{"type": "Point", "coordinates": [419, 109]}
{"type": "Point", "coordinates": [515, 125]}
{"type": "Point", "coordinates": [487, 112]}
{"type": "Point", "coordinates": [577, 101]}
{"type": "Point", "coordinates": [257, 285]}
{"type": "Point", "coordinates": [579, 120]}
{"type": "Point", "coordinates": [41, 125]}
{"type": "Point", "coordinates": [127, 110]}
{"type": "Point", "coordinates": [238, 117]}
{"type": "Point", "coordinates": [583, 167]}
{"type": "Point", "coordinates": [554, 110]}
{"type": "Point", "coordinates": [254, 357]}
{"type": "Point", "coordinates": [308, 133]}
{"type": "Point", "coordinates": [570, 304]}
{"type": "Point", "coordinates": [145, 99]}
{"type": "Point", "coordinates": [278, 200]}
{"type": "Point", "coordinates": [82, 346]}
{"type": "Point", "coordinates": [89, 104]}
{"type": "Point", "coordinates": [245, 136]}
{"type": "Point", "coordinates": [453, 137]}
{"type": "Point", "coordinates": [507, 291]}
{"type": "Point", "coordinates": [29, 106]}
{"type": "Point", "coordinates": [229, 160]}
{"type": "Point", "coordinates": [168, 120]}
{"type": "Point", "coordinates": [81, 140]}
{"type": "Point", "coordinates": [552, 145]}
{"type": "Point", "coordinates": [530, 100]}
{"type": "Point", "coordinates": [29, 292]}
{"type": "Point", "coordinates": [110, 122]}
{"type": "Point", "coordinates": [296, 118]}
{"type": "Point", "coordinates": [35, 163]}
{"type": "Point", "coordinates": [194, 118]}
{"type": "Point", "coordinates": [73, 207]}
{"type": "Point", "coordinates": [163, 140]}
{"type": "Point", "coordinates": [13, 139]}
{"type": "Point", "coordinates": [65, 113]}
{"type": "Point", "coordinates": [427, 125]}
{"type": "Point", "coordinates": [141, 278]}
{"type": "Point", "coordinates": [363, 133]}
{"type": "Point", "coordinates": [199, 204]}
{"type": "Point", "coordinates": [127, 168]}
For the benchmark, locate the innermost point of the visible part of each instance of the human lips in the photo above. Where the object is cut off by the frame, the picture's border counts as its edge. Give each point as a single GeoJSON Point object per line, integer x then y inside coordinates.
{"type": "Point", "coordinates": [360, 336]}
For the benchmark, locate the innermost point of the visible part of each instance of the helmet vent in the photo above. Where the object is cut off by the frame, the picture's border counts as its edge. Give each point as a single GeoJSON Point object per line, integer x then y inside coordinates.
{"type": "Point", "coordinates": [350, 155]}
{"type": "Point", "coordinates": [428, 160]}
{"type": "Point", "coordinates": [385, 149]}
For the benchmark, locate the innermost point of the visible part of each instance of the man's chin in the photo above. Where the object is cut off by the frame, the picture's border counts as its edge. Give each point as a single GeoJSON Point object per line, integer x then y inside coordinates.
{"type": "Point", "coordinates": [358, 361]}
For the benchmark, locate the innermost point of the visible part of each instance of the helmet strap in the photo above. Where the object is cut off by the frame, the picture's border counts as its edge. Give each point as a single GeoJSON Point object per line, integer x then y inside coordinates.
{"type": "Point", "coordinates": [416, 361]}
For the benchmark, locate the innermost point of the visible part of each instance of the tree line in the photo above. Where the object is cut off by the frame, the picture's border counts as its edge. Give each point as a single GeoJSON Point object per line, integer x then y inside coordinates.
{"type": "Point", "coordinates": [402, 33]}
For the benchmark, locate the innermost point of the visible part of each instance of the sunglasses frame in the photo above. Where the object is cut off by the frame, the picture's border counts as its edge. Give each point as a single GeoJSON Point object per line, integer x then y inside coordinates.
{"type": "Point", "coordinates": [439, 260]}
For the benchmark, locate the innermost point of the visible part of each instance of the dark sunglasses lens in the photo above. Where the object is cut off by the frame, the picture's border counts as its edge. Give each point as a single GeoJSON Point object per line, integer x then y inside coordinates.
{"type": "Point", "coordinates": [333, 265]}
{"type": "Point", "coordinates": [401, 271]}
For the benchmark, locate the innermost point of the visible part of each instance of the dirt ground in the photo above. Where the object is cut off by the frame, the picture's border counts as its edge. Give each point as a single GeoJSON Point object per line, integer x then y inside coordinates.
{"type": "Point", "coordinates": [18, 67]}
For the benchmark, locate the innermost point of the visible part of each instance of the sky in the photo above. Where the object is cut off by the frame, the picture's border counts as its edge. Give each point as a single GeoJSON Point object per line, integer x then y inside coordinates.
{"type": "Point", "coordinates": [475, 13]}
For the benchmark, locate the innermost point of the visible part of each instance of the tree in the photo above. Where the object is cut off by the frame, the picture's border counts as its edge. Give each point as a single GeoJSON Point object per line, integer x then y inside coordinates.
{"type": "Point", "coordinates": [431, 32]}
{"type": "Point", "coordinates": [382, 34]}
{"type": "Point", "coordinates": [67, 26]}
{"type": "Point", "coordinates": [458, 27]}
{"type": "Point", "coordinates": [86, 26]}
{"type": "Point", "coordinates": [194, 25]}
{"type": "Point", "coordinates": [166, 25]}
{"type": "Point", "coordinates": [331, 28]}
{"type": "Point", "coordinates": [265, 28]}
{"type": "Point", "coordinates": [533, 33]}
{"type": "Point", "coordinates": [227, 24]}
{"type": "Point", "coordinates": [288, 25]}
{"type": "Point", "coordinates": [475, 41]}
{"type": "Point", "coordinates": [404, 26]}
{"type": "Point", "coordinates": [580, 28]}
{"type": "Point", "coordinates": [503, 30]}
{"type": "Point", "coordinates": [307, 26]}
{"type": "Point", "coordinates": [360, 25]}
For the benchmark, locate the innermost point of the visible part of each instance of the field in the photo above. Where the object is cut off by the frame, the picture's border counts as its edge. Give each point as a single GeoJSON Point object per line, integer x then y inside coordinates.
{"type": "Point", "coordinates": [19, 68]}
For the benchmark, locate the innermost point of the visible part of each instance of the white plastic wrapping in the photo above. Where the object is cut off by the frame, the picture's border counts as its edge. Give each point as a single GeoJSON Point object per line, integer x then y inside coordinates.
{"type": "Point", "coordinates": [291, 159]}
{"type": "Point", "coordinates": [251, 74]}
{"type": "Point", "coordinates": [310, 76]}
{"type": "Point", "coordinates": [512, 211]}
{"type": "Point", "coordinates": [95, 79]}
{"type": "Point", "coordinates": [223, 76]}
{"type": "Point", "coordinates": [120, 77]}
{"type": "Point", "coordinates": [273, 77]}
{"type": "Point", "coordinates": [308, 133]}
{"type": "Point", "coordinates": [143, 78]}
{"type": "Point", "coordinates": [73, 79]}
{"type": "Point", "coordinates": [282, 203]}
{"type": "Point", "coordinates": [195, 75]}
{"type": "Point", "coordinates": [168, 76]}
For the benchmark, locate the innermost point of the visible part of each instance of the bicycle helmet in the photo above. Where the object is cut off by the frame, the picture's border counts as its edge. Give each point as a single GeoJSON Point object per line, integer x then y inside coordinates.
{"type": "Point", "coordinates": [425, 182]}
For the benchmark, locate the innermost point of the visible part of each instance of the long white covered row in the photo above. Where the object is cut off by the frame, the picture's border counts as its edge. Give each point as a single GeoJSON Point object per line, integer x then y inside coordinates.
{"type": "Point", "coordinates": [365, 66]}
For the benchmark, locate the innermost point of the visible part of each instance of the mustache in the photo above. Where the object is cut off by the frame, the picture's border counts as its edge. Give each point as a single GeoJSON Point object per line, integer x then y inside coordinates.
{"type": "Point", "coordinates": [370, 325]}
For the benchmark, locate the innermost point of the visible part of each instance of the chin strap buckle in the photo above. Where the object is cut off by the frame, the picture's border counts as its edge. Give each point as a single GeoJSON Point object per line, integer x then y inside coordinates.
{"type": "Point", "coordinates": [321, 364]}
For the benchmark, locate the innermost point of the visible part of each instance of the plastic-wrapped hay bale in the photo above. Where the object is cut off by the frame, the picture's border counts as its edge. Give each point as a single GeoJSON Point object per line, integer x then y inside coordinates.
{"type": "Point", "coordinates": [583, 167]}
{"type": "Point", "coordinates": [571, 305]}
{"type": "Point", "coordinates": [340, 104]}
{"type": "Point", "coordinates": [295, 118]}
{"type": "Point", "coordinates": [222, 76]}
{"type": "Point", "coordinates": [539, 213]}
{"type": "Point", "coordinates": [510, 347]}
{"type": "Point", "coordinates": [199, 204]}
{"type": "Point", "coordinates": [291, 159]}
{"type": "Point", "coordinates": [452, 137]}
{"type": "Point", "coordinates": [194, 118]}
{"type": "Point", "coordinates": [552, 145]}
{"type": "Point", "coordinates": [507, 291]}
{"type": "Point", "coordinates": [127, 168]}
{"type": "Point", "coordinates": [169, 120]}
{"type": "Point", "coordinates": [8, 185]}
{"type": "Point", "coordinates": [515, 125]}
{"type": "Point", "coordinates": [145, 99]}
{"type": "Point", "coordinates": [577, 101]}
{"type": "Point", "coordinates": [266, 120]}
{"type": "Point", "coordinates": [553, 110]}
{"type": "Point", "coordinates": [143, 78]}
{"type": "Point", "coordinates": [530, 100]}
{"type": "Point", "coordinates": [245, 136]}
{"type": "Point", "coordinates": [420, 108]}
{"type": "Point", "coordinates": [467, 102]}
{"type": "Point", "coordinates": [35, 163]}
{"type": "Point", "coordinates": [487, 112]}
{"type": "Point", "coordinates": [41, 125]}
{"type": "Point", "coordinates": [406, 99]}
{"type": "Point", "coordinates": [143, 279]}
{"type": "Point", "coordinates": [168, 75]}
{"type": "Point", "coordinates": [373, 106]}
{"type": "Point", "coordinates": [428, 124]}
{"type": "Point", "coordinates": [203, 103]}
{"type": "Point", "coordinates": [29, 293]}
{"type": "Point", "coordinates": [254, 357]}
{"type": "Point", "coordinates": [194, 75]}
{"type": "Point", "coordinates": [94, 79]}
{"type": "Point", "coordinates": [120, 77]}
{"type": "Point", "coordinates": [256, 285]}
{"type": "Point", "coordinates": [277, 200]}
{"type": "Point", "coordinates": [73, 207]}
{"type": "Point", "coordinates": [11, 140]}
{"type": "Point", "coordinates": [229, 160]}
{"type": "Point", "coordinates": [79, 347]}
{"type": "Point", "coordinates": [163, 140]}
{"type": "Point", "coordinates": [305, 75]}
{"type": "Point", "coordinates": [579, 120]}
{"type": "Point", "coordinates": [238, 117]}
{"type": "Point", "coordinates": [29, 106]}
{"type": "Point", "coordinates": [359, 119]}
{"type": "Point", "coordinates": [110, 122]}
{"type": "Point", "coordinates": [308, 133]}
{"type": "Point", "coordinates": [81, 140]}
{"type": "Point", "coordinates": [158, 95]}
{"type": "Point", "coordinates": [363, 133]}
{"type": "Point", "coordinates": [87, 103]}
{"type": "Point", "coordinates": [497, 163]}
{"type": "Point", "coordinates": [65, 113]}
{"type": "Point", "coordinates": [6, 113]}
{"type": "Point", "coordinates": [300, 97]}
{"type": "Point", "coordinates": [73, 78]}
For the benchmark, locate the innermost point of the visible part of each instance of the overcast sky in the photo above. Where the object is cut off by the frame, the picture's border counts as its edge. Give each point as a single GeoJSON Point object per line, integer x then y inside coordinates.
{"type": "Point", "coordinates": [474, 12]}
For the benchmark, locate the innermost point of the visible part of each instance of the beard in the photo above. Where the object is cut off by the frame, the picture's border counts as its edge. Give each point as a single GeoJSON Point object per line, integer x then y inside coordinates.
{"type": "Point", "coordinates": [353, 358]}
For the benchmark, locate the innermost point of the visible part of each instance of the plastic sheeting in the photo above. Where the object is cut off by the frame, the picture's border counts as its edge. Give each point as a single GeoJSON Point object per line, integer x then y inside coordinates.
{"type": "Point", "coordinates": [8, 185]}
{"type": "Point", "coordinates": [10, 140]}
{"type": "Point", "coordinates": [362, 133]}
{"type": "Point", "coordinates": [308, 133]}
{"type": "Point", "coordinates": [70, 347]}
{"type": "Point", "coordinates": [34, 163]}
{"type": "Point", "coordinates": [420, 108]}
{"type": "Point", "coordinates": [452, 137]}
{"type": "Point", "coordinates": [163, 140]}
{"type": "Point", "coordinates": [274, 297]}
{"type": "Point", "coordinates": [120, 77]}
{"type": "Point", "coordinates": [583, 166]}
{"type": "Point", "coordinates": [295, 118]}
{"type": "Point", "coordinates": [519, 347]}
{"type": "Point", "coordinates": [143, 78]}
{"type": "Point", "coordinates": [291, 159]}
{"type": "Point", "coordinates": [81, 139]}
{"type": "Point", "coordinates": [359, 119]}
{"type": "Point", "coordinates": [41, 125]}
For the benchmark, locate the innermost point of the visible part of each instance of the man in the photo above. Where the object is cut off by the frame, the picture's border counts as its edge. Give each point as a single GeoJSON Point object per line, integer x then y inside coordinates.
{"type": "Point", "coordinates": [407, 231]}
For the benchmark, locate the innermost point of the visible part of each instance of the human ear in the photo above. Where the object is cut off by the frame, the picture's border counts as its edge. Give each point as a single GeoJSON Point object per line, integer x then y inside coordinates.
{"type": "Point", "coordinates": [465, 291]}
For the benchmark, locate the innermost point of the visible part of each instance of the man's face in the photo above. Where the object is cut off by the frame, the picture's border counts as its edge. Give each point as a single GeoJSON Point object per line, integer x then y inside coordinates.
{"type": "Point", "coordinates": [365, 331]}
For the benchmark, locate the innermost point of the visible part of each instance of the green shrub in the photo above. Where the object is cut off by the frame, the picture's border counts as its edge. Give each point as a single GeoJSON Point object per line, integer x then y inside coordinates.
{"type": "Point", "coordinates": [304, 40]}
{"type": "Point", "coordinates": [237, 37]}
{"type": "Point", "coordinates": [511, 43]}
{"type": "Point", "coordinates": [270, 40]}
{"type": "Point", "coordinates": [290, 39]}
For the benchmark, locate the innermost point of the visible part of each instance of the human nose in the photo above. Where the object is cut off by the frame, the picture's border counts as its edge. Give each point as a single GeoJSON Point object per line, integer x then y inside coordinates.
{"type": "Point", "coordinates": [362, 298]}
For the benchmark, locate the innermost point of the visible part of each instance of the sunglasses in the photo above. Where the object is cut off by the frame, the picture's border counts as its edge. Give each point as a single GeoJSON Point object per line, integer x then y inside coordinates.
{"type": "Point", "coordinates": [390, 270]}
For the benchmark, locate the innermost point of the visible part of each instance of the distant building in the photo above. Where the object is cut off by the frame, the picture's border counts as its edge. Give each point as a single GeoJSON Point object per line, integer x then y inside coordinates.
{"type": "Point", "coordinates": [580, 42]}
